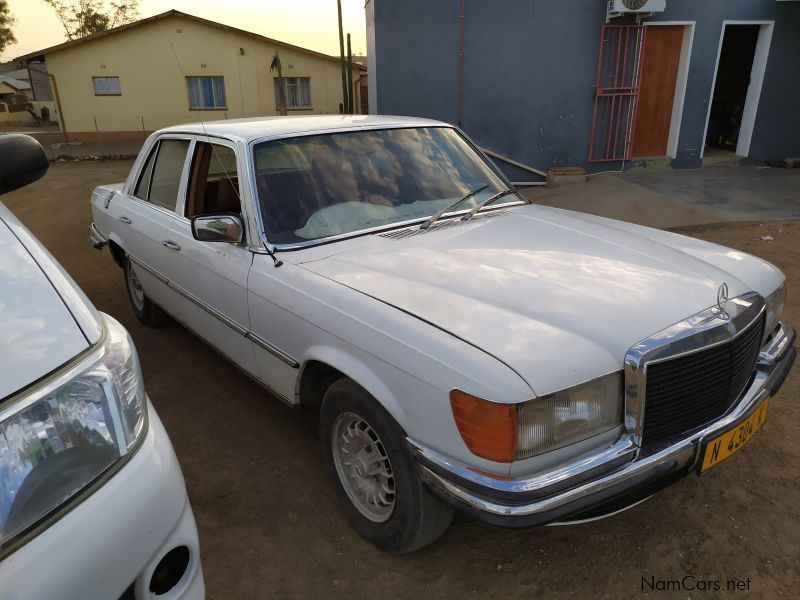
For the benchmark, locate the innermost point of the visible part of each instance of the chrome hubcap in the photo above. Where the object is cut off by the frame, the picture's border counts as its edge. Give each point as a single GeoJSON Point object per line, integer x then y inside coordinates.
{"type": "Point", "coordinates": [135, 289]}
{"type": "Point", "coordinates": [363, 467]}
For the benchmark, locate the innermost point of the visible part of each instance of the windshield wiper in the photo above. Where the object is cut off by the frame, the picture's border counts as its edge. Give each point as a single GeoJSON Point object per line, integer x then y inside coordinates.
{"type": "Point", "coordinates": [489, 200]}
{"type": "Point", "coordinates": [449, 207]}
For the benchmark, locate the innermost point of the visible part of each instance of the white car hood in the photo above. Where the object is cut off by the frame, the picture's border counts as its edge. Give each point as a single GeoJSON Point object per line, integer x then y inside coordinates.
{"type": "Point", "coordinates": [37, 332]}
{"type": "Point", "coordinates": [556, 295]}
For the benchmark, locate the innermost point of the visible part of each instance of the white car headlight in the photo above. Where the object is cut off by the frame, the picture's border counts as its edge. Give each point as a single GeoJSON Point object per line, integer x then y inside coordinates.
{"type": "Point", "coordinates": [60, 438]}
{"type": "Point", "coordinates": [569, 416]}
{"type": "Point", "coordinates": [774, 307]}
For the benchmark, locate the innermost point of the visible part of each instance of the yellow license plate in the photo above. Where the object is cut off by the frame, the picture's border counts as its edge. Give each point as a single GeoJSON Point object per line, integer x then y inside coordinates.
{"type": "Point", "coordinates": [722, 446]}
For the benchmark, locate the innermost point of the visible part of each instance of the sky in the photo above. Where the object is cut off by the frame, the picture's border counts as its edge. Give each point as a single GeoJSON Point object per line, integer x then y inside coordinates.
{"type": "Point", "coordinates": [308, 23]}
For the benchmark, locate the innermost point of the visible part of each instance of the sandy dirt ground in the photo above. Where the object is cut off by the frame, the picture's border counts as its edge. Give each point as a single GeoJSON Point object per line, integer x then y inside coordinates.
{"type": "Point", "coordinates": [269, 525]}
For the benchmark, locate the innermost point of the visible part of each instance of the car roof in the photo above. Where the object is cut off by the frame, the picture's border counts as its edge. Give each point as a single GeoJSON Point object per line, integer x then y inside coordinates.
{"type": "Point", "coordinates": [267, 127]}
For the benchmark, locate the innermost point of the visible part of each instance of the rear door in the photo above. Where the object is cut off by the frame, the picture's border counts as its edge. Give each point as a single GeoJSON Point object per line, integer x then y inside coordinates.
{"type": "Point", "coordinates": [145, 213]}
{"type": "Point", "coordinates": [212, 276]}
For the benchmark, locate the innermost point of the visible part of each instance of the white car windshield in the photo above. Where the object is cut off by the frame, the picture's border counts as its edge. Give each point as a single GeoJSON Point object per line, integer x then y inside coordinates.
{"type": "Point", "coordinates": [318, 186]}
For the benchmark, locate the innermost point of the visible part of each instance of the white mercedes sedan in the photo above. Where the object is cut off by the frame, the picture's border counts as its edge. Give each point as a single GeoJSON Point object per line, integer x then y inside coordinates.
{"type": "Point", "coordinates": [465, 348]}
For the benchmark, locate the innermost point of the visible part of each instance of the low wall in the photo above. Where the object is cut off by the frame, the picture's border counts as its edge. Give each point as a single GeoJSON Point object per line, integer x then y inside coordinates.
{"type": "Point", "coordinates": [10, 113]}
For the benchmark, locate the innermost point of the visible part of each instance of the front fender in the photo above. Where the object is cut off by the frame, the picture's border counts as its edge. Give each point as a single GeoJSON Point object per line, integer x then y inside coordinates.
{"type": "Point", "coordinates": [364, 370]}
{"type": "Point", "coordinates": [422, 410]}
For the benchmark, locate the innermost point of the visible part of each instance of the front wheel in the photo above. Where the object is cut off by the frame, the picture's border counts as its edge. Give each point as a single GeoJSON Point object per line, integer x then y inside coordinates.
{"type": "Point", "coordinates": [144, 308]}
{"type": "Point", "coordinates": [374, 474]}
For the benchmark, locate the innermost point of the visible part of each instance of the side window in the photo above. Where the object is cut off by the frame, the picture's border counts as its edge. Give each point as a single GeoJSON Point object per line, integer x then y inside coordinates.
{"type": "Point", "coordinates": [214, 181]}
{"type": "Point", "coordinates": [143, 185]}
{"type": "Point", "coordinates": [167, 173]}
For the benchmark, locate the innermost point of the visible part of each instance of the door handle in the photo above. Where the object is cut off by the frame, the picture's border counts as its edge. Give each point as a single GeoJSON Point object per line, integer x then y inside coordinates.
{"type": "Point", "coordinates": [125, 220]}
{"type": "Point", "coordinates": [171, 245]}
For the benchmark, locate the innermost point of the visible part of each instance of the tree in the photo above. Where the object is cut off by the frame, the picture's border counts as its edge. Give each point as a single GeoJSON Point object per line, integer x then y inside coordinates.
{"type": "Point", "coordinates": [82, 18]}
{"type": "Point", "coordinates": [6, 21]}
{"type": "Point", "coordinates": [276, 65]}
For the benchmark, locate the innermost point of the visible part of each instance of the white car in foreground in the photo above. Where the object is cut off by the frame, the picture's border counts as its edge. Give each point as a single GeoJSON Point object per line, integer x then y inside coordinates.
{"type": "Point", "coordinates": [92, 500]}
{"type": "Point", "coordinates": [466, 348]}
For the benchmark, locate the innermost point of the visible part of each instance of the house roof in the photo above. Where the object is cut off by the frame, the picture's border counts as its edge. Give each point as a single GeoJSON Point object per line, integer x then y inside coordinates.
{"type": "Point", "coordinates": [176, 13]}
{"type": "Point", "coordinates": [17, 84]}
{"type": "Point", "coordinates": [21, 74]}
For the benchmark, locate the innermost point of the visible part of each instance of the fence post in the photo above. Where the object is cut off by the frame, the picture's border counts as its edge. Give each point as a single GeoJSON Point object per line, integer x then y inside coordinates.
{"type": "Point", "coordinates": [99, 139]}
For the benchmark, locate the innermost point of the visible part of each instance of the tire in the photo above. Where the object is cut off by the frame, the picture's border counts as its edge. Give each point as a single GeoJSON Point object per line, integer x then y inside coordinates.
{"type": "Point", "coordinates": [144, 308]}
{"type": "Point", "coordinates": [404, 516]}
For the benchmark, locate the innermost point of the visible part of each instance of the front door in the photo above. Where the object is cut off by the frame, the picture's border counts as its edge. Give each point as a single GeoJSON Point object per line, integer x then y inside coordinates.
{"type": "Point", "coordinates": [659, 74]}
{"type": "Point", "coordinates": [211, 277]}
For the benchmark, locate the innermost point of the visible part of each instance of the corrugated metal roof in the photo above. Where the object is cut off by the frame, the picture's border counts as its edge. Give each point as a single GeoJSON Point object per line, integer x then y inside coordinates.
{"type": "Point", "coordinates": [18, 74]}
{"type": "Point", "coordinates": [17, 84]}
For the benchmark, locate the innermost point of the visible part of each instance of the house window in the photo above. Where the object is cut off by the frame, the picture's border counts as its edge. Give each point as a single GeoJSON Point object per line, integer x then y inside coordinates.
{"type": "Point", "coordinates": [298, 92]}
{"type": "Point", "coordinates": [106, 86]}
{"type": "Point", "coordinates": [206, 92]}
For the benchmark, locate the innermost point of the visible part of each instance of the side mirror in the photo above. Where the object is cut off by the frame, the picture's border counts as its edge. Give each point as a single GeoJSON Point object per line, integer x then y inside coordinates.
{"type": "Point", "coordinates": [217, 228]}
{"type": "Point", "coordinates": [22, 161]}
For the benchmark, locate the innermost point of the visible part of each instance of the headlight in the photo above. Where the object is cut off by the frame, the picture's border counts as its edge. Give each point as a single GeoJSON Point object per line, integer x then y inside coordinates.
{"type": "Point", "coordinates": [507, 432]}
{"type": "Point", "coordinates": [569, 416]}
{"type": "Point", "coordinates": [774, 307]}
{"type": "Point", "coordinates": [59, 438]}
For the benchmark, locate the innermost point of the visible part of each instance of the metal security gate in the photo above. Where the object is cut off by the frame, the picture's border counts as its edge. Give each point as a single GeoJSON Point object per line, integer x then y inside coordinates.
{"type": "Point", "coordinates": [616, 97]}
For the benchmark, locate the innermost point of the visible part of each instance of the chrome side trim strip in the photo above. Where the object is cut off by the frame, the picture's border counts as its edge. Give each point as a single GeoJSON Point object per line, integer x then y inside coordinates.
{"type": "Point", "coordinates": [208, 308]}
{"type": "Point", "coordinates": [701, 331]}
{"type": "Point", "coordinates": [276, 352]}
{"type": "Point", "coordinates": [243, 331]}
{"type": "Point", "coordinates": [287, 401]}
{"type": "Point", "coordinates": [152, 272]}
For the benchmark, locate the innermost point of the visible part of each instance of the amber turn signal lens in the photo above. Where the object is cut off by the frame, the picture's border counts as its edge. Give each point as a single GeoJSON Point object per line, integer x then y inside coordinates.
{"type": "Point", "coordinates": [488, 429]}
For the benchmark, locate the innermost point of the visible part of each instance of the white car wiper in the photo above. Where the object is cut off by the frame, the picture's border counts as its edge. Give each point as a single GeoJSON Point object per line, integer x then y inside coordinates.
{"type": "Point", "coordinates": [489, 200]}
{"type": "Point", "coordinates": [449, 207]}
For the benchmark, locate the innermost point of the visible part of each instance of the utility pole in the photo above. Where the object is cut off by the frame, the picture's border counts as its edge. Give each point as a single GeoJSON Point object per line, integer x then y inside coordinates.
{"type": "Point", "coordinates": [341, 57]}
{"type": "Point", "coordinates": [351, 100]}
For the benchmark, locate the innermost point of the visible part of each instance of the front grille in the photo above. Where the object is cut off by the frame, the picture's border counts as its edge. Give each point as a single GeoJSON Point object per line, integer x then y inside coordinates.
{"type": "Point", "coordinates": [687, 392]}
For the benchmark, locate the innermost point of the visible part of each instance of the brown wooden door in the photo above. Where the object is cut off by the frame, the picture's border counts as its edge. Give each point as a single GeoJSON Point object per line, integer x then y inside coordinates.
{"type": "Point", "coordinates": [662, 53]}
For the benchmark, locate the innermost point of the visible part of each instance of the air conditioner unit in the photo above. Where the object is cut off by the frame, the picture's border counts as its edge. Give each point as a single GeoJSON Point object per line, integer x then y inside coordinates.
{"type": "Point", "coordinates": [619, 7]}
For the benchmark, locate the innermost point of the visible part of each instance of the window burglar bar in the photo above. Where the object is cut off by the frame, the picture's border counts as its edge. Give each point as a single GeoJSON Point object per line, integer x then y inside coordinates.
{"type": "Point", "coordinates": [617, 89]}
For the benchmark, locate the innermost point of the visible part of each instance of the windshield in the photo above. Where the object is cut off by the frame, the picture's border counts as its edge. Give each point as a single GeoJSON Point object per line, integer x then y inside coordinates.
{"type": "Point", "coordinates": [318, 186]}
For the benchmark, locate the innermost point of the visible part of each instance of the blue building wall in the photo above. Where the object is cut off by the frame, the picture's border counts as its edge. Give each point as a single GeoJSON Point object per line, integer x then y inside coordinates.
{"type": "Point", "coordinates": [530, 66]}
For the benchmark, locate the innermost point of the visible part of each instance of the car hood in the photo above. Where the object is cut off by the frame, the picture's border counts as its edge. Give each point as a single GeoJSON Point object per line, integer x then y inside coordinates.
{"type": "Point", "coordinates": [37, 332]}
{"type": "Point", "coordinates": [556, 295]}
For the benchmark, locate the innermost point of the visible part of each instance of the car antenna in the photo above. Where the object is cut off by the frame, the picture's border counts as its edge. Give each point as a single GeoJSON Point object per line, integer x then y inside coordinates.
{"type": "Point", "coordinates": [278, 262]}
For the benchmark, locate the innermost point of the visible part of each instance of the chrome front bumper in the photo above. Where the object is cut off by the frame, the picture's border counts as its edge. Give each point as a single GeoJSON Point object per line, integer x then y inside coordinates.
{"type": "Point", "coordinates": [96, 239]}
{"type": "Point", "coordinates": [606, 482]}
